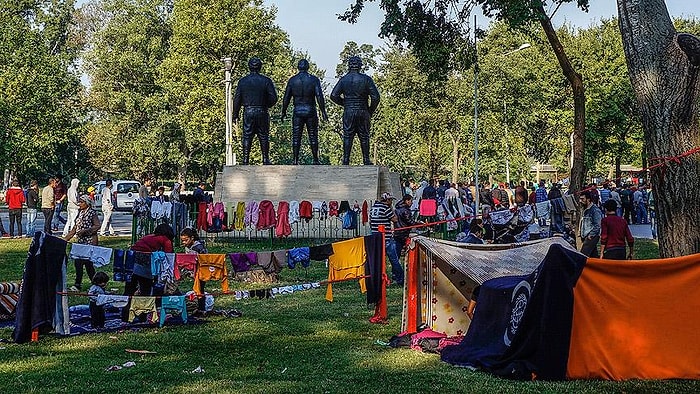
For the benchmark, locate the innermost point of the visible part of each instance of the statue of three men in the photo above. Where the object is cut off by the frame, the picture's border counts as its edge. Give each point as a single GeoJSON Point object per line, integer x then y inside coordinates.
{"type": "Point", "coordinates": [355, 92]}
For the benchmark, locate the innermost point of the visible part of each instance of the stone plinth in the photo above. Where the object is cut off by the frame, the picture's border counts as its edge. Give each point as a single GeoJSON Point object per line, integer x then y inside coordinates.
{"type": "Point", "coordinates": [304, 182]}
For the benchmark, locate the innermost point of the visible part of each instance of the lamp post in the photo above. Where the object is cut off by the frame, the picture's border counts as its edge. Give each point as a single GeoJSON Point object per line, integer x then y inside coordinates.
{"type": "Point", "coordinates": [230, 156]}
{"type": "Point", "coordinates": [522, 46]}
{"type": "Point", "coordinates": [476, 124]}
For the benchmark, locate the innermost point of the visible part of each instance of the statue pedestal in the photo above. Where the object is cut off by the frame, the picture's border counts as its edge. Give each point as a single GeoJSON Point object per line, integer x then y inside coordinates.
{"type": "Point", "coordinates": [304, 182]}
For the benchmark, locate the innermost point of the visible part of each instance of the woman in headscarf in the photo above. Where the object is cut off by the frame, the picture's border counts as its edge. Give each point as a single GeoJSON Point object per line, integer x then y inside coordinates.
{"type": "Point", "coordinates": [86, 227]}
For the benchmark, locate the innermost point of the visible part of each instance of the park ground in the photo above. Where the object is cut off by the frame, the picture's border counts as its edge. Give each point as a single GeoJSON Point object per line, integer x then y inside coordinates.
{"type": "Point", "coordinates": [289, 344]}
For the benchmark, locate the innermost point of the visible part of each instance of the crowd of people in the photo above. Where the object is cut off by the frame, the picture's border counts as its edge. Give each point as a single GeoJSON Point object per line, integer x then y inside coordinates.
{"type": "Point", "coordinates": [606, 213]}
{"type": "Point", "coordinates": [60, 205]}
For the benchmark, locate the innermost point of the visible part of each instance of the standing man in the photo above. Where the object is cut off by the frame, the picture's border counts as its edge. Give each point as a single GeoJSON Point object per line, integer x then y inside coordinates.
{"type": "Point", "coordinates": [15, 198]}
{"type": "Point", "coordinates": [198, 193]}
{"type": "Point", "coordinates": [590, 224]}
{"type": "Point", "coordinates": [72, 206]}
{"type": "Point", "coordinates": [144, 189]}
{"type": "Point", "coordinates": [59, 195]}
{"type": "Point", "coordinates": [382, 214]}
{"type": "Point", "coordinates": [48, 204]}
{"type": "Point", "coordinates": [404, 218]}
{"type": "Point", "coordinates": [256, 94]}
{"type": "Point", "coordinates": [352, 92]}
{"type": "Point", "coordinates": [306, 90]}
{"type": "Point", "coordinates": [32, 205]}
{"type": "Point", "coordinates": [541, 196]}
{"type": "Point", "coordinates": [614, 234]}
{"type": "Point", "coordinates": [107, 209]}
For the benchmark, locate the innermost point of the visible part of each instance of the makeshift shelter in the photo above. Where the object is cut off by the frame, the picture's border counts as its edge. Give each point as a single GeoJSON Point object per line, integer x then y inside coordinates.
{"type": "Point", "coordinates": [564, 317]}
{"type": "Point", "coordinates": [441, 276]}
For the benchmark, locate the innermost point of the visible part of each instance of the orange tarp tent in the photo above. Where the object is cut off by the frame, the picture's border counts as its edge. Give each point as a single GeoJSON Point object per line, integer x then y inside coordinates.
{"type": "Point", "coordinates": [637, 319]}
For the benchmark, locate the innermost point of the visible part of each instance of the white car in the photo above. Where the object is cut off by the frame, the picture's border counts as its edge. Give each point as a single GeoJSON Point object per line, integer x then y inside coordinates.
{"type": "Point", "coordinates": [124, 192]}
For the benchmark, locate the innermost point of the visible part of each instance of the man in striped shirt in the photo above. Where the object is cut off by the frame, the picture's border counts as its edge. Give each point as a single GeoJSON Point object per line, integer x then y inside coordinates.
{"type": "Point", "coordinates": [381, 213]}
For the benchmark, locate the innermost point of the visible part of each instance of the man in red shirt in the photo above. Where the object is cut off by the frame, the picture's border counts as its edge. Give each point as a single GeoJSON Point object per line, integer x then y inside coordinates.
{"type": "Point", "coordinates": [15, 199]}
{"type": "Point", "coordinates": [614, 233]}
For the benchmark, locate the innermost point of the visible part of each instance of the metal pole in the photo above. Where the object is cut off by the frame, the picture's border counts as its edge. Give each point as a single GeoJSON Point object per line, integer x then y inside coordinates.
{"type": "Point", "coordinates": [505, 123]}
{"type": "Point", "coordinates": [228, 64]}
{"type": "Point", "coordinates": [476, 124]}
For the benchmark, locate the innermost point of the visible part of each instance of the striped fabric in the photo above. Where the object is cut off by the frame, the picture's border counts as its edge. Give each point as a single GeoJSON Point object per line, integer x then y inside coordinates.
{"type": "Point", "coordinates": [9, 294]}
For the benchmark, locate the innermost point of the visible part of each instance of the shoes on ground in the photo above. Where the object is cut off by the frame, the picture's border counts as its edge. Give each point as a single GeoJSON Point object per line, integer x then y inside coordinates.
{"type": "Point", "coordinates": [74, 288]}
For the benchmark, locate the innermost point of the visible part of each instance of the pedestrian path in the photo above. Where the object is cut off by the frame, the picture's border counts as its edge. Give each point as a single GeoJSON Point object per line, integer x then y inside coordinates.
{"type": "Point", "coordinates": [121, 221]}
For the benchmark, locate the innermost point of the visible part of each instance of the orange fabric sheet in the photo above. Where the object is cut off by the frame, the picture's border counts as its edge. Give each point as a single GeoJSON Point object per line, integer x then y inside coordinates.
{"type": "Point", "coordinates": [346, 262]}
{"type": "Point", "coordinates": [636, 319]}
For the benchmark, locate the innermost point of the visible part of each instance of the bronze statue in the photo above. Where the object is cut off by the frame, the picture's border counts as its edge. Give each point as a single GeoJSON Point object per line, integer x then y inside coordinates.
{"type": "Point", "coordinates": [306, 90]}
{"type": "Point", "coordinates": [356, 90]}
{"type": "Point", "coordinates": [256, 94]}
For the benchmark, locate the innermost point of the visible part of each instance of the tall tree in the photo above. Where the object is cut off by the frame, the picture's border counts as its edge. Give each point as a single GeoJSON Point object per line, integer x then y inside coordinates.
{"type": "Point", "coordinates": [40, 101]}
{"type": "Point", "coordinates": [129, 42]}
{"type": "Point", "coordinates": [204, 32]}
{"type": "Point", "coordinates": [437, 32]}
{"type": "Point", "coordinates": [366, 52]}
{"type": "Point", "coordinates": [664, 68]}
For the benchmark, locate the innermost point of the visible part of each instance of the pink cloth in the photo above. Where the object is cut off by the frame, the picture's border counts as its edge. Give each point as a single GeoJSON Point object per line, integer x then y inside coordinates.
{"type": "Point", "coordinates": [428, 207]}
{"type": "Point", "coordinates": [266, 216]}
{"type": "Point", "coordinates": [283, 229]}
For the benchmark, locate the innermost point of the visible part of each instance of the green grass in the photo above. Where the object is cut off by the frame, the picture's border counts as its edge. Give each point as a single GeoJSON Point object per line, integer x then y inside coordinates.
{"type": "Point", "coordinates": [294, 343]}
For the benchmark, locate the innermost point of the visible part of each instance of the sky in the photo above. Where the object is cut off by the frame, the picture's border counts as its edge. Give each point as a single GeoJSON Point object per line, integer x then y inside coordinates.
{"type": "Point", "coordinates": [313, 25]}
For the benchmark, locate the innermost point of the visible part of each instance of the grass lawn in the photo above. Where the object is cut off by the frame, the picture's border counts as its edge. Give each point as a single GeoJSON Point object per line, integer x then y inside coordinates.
{"type": "Point", "coordinates": [290, 344]}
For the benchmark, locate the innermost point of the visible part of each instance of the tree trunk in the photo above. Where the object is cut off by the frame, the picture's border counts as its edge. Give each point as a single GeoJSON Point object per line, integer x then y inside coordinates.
{"type": "Point", "coordinates": [455, 158]}
{"type": "Point", "coordinates": [578, 167]}
{"type": "Point", "coordinates": [664, 68]}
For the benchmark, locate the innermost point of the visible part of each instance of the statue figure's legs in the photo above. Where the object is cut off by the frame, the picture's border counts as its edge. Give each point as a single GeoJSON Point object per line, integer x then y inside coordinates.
{"type": "Point", "coordinates": [297, 126]}
{"type": "Point", "coordinates": [312, 127]}
{"type": "Point", "coordinates": [347, 148]}
{"type": "Point", "coordinates": [349, 129]}
{"type": "Point", "coordinates": [256, 121]}
{"type": "Point", "coordinates": [264, 139]}
{"type": "Point", "coordinates": [264, 136]}
{"type": "Point", "coordinates": [247, 136]}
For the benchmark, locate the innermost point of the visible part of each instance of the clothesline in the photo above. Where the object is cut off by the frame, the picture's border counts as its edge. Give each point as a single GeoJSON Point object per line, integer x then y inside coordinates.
{"type": "Point", "coordinates": [664, 161]}
{"type": "Point", "coordinates": [223, 293]}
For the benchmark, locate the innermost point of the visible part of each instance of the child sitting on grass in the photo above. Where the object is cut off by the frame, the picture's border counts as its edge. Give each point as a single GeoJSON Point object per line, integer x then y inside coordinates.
{"type": "Point", "coordinates": [97, 312]}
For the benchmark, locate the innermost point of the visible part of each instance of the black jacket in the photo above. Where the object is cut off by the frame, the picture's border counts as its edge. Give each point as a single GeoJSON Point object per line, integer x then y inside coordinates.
{"type": "Point", "coordinates": [405, 219]}
{"type": "Point", "coordinates": [356, 89]}
{"type": "Point", "coordinates": [255, 91]}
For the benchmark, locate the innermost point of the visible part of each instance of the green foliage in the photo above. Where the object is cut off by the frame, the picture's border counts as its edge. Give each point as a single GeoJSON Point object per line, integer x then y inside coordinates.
{"type": "Point", "coordinates": [40, 103]}
{"type": "Point", "coordinates": [157, 75]}
{"type": "Point", "coordinates": [613, 128]}
{"type": "Point", "coordinates": [366, 52]}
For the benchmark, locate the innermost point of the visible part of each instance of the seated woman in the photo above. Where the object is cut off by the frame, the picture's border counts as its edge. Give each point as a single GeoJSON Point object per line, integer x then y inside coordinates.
{"type": "Point", "coordinates": [142, 278]}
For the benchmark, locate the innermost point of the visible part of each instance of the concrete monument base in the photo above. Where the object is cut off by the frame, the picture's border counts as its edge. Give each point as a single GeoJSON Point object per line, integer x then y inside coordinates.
{"type": "Point", "coordinates": [304, 182]}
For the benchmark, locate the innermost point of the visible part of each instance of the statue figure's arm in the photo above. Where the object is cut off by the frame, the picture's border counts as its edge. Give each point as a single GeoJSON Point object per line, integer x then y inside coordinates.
{"type": "Point", "coordinates": [320, 99]}
{"type": "Point", "coordinates": [335, 94]}
{"type": "Point", "coordinates": [271, 94]}
{"type": "Point", "coordinates": [286, 99]}
{"type": "Point", "coordinates": [373, 95]}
